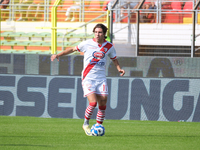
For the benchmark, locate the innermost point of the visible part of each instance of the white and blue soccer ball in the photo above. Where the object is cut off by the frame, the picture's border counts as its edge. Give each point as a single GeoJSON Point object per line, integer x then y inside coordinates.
{"type": "Point", "coordinates": [98, 130]}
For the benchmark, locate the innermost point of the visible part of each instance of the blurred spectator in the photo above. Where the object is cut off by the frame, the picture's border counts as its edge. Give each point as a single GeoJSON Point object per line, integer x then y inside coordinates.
{"type": "Point", "coordinates": [4, 5]}
{"type": "Point", "coordinates": [188, 6]}
{"type": "Point", "coordinates": [166, 4]}
{"type": "Point", "coordinates": [36, 5]}
{"type": "Point", "coordinates": [22, 6]}
{"type": "Point", "coordinates": [72, 9]}
{"type": "Point", "coordinates": [125, 4]}
{"type": "Point", "coordinates": [182, 4]}
{"type": "Point", "coordinates": [107, 5]}
{"type": "Point", "coordinates": [146, 16]}
{"type": "Point", "coordinates": [171, 10]}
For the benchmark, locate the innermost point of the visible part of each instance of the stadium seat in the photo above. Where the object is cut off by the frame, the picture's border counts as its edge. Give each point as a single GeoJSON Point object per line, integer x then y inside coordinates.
{"type": "Point", "coordinates": [5, 34]}
{"type": "Point", "coordinates": [10, 43]}
{"type": "Point", "coordinates": [174, 15]}
{"type": "Point", "coordinates": [66, 44]}
{"type": "Point", "coordinates": [44, 34]}
{"type": "Point", "coordinates": [4, 45]}
{"type": "Point", "coordinates": [3, 42]}
{"type": "Point", "coordinates": [178, 6]}
{"type": "Point", "coordinates": [21, 45]}
{"type": "Point", "coordinates": [35, 44]}
{"type": "Point", "coordinates": [16, 34]}
{"type": "Point", "coordinates": [188, 6]}
{"type": "Point", "coordinates": [59, 35]}
{"type": "Point", "coordinates": [9, 36]}
{"type": "Point", "coordinates": [61, 9]}
{"type": "Point", "coordinates": [86, 4]}
{"type": "Point", "coordinates": [40, 11]}
{"type": "Point", "coordinates": [89, 15]}
{"type": "Point", "coordinates": [6, 51]}
{"type": "Point", "coordinates": [43, 52]}
{"type": "Point", "coordinates": [31, 34]}
{"type": "Point", "coordinates": [42, 46]}
{"type": "Point", "coordinates": [46, 44]}
{"type": "Point", "coordinates": [70, 35]}
{"type": "Point", "coordinates": [2, 38]}
{"type": "Point", "coordinates": [94, 5]}
{"type": "Point", "coordinates": [24, 43]}
{"type": "Point", "coordinates": [58, 7]}
{"type": "Point", "coordinates": [132, 18]}
{"type": "Point", "coordinates": [83, 36]}
{"type": "Point", "coordinates": [93, 11]}
{"type": "Point", "coordinates": [67, 4]}
{"type": "Point", "coordinates": [5, 14]}
{"type": "Point", "coordinates": [75, 44]}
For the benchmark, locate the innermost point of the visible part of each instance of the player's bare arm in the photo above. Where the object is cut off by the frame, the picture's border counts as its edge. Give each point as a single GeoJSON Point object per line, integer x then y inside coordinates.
{"type": "Point", "coordinates": [115, 61]}
{"type": "Point", "coordinates": [65, 52]}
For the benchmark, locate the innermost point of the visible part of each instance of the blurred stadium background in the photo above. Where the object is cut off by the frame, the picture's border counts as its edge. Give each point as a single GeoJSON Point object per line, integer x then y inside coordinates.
{"type": "Point", "coordinates": [160, 46]}
{"type": "Point", "coordinates": [164, 30]}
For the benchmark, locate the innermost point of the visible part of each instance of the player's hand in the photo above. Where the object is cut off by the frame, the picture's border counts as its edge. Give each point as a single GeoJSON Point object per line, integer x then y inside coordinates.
{"type": "Point", "coordinates": [122, 72]}
{"type": "Point", "coordinates": [54, 57]}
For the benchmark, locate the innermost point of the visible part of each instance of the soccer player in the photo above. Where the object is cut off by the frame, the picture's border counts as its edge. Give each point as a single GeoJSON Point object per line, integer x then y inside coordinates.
{"type": "Point", "coordinates": [94, 81]}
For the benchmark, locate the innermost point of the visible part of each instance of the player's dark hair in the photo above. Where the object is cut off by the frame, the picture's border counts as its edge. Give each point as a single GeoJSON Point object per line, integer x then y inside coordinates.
{"type": "Point", "coordinates": [103, 27]}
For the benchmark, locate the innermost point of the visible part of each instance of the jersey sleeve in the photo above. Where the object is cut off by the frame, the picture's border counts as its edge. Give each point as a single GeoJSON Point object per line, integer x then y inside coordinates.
{"type": "Point", "coordinates": [112, 53]}
{"type": "Point", "coordinates": [81, 46]}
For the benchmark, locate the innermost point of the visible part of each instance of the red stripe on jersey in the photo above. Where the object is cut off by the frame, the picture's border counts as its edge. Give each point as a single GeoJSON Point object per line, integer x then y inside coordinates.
{"type": "Point", "coordinates": [78, 49]}
{"type": "Point", "coordinates": [90, 66]}
{"type": "Point", "coordinates": [106, 47]}
{"type": "Point", "coordinates": [114, 57]}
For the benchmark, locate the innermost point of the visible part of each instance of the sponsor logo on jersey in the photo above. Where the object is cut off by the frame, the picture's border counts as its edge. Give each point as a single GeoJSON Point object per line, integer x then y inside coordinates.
{"type": "Point", "coordinates": [98, 55]}
{"type": "Point", "coordinates": [92, 62]}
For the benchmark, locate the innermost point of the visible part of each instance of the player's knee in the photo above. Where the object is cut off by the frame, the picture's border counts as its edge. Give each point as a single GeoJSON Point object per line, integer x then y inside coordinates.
{"type": "Point", "coordinates": [102, 107]}
{"type": "Point", "coordinates": [94, 104]}
{"type": "Point", "coordinates": [102, 102]}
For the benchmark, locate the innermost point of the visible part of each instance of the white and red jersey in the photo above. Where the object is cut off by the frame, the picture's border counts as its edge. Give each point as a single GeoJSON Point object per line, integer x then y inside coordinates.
{"type": "Point", "coordinates": [95, 58]}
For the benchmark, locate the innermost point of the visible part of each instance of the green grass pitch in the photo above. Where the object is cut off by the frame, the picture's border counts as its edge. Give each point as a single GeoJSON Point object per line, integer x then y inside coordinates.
{"type": "Point", "coordinates": [32, 133]}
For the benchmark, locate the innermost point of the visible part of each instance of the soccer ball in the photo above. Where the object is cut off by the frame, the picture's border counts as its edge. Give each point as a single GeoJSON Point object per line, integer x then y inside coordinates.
{"type": "Point", "coordinates": [98, 130]}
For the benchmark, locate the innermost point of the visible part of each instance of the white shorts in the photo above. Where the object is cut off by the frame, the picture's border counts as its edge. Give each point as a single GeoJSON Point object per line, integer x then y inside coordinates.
{"type": "Point", "coordinates": [99, 87]}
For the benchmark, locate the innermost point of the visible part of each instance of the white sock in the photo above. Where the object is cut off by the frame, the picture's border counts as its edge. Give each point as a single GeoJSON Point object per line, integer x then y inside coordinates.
{"type": "Point", "coordinates": [86, 122]}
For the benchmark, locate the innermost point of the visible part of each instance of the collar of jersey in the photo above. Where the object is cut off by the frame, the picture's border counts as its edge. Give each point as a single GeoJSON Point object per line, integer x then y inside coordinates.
{"type": "Point", "coordinates": [98, 43]}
